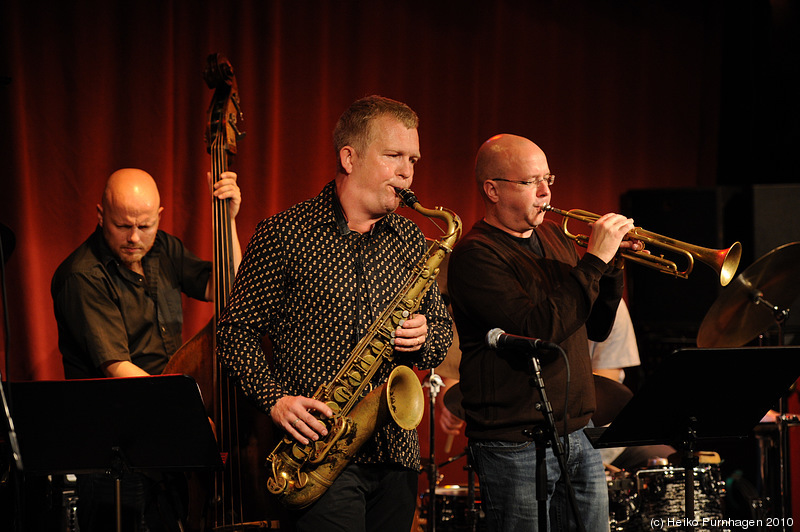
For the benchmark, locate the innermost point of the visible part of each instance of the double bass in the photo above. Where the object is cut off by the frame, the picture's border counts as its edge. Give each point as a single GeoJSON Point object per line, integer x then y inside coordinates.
{"type": "Point", "coordinates": [233, 499]}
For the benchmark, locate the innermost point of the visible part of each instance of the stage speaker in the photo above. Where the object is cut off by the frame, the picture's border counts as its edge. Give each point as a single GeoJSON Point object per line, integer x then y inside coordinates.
{"type": "Point", "coordinates": [776, 217]}
{"type": "Point", "coordinates": [776, 221]}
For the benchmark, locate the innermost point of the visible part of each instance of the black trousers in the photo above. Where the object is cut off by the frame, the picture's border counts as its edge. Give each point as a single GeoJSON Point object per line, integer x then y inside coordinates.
{"type": "Point", "coordinates": [150, 502]}
{"type": "Point", "coordinates": [363, 499]}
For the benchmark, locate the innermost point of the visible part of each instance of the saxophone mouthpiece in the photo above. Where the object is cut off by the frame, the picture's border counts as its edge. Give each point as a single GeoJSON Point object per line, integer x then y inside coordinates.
{"type": "Point", "coordinates": [406, 196]}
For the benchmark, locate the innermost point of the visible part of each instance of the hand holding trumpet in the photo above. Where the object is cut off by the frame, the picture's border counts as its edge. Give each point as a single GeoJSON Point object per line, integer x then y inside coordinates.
{"type": "Point", "coordinates": [608, 237]}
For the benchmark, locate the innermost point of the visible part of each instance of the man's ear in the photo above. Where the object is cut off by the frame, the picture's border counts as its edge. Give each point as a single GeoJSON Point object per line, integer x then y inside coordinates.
{"type": "Point", "coordinates": [346, 158]}
{"type": "Point", "coordinates": [490, 190]}
{"type": "Point", "coordinates": [99, 215]}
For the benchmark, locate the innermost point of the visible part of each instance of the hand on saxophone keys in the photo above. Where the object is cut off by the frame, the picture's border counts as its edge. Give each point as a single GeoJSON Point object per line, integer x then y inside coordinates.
{"type": "Point", "coordinates": [295, 415]}
{"type": "Point", "coordinates": [411, 335]}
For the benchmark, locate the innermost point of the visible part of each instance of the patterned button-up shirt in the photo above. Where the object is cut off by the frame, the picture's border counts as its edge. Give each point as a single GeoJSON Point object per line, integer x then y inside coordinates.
{"type": "Point", "coordinates": [315, 287]}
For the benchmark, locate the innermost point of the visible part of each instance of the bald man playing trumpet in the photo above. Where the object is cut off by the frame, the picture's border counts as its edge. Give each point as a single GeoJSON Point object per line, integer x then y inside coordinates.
{"type": "Point", "coordinates": [518, 272]}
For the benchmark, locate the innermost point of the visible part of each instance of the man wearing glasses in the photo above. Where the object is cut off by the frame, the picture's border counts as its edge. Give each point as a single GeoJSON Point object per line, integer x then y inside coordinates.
{"type": "Point", "coordinates": [518, 272]}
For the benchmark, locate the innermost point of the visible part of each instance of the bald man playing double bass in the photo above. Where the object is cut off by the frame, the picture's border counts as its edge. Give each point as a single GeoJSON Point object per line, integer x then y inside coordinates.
{"type": "Point", "coordinates": [117, 298]}
{"type": "Point", "coordinates": [117, 302]}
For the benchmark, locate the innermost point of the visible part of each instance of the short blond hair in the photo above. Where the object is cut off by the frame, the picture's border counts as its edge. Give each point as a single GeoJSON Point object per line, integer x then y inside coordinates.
{"type": "Point", "coordinates": [354, 127]}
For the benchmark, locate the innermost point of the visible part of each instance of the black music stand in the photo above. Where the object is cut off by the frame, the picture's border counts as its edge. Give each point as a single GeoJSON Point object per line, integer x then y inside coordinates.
{"type": "Point", "coordinates": [113, 426]}
{"type": "Point", "coordinates": [702, 394]}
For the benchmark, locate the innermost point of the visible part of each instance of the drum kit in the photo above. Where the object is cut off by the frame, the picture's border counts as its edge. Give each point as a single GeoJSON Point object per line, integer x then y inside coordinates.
{"type": "Point", "coordinates": [754, 301]}
{"type": "Point", "coordinates": [655, 496]}
{"type": "Point", "coordinates": [453, 507]}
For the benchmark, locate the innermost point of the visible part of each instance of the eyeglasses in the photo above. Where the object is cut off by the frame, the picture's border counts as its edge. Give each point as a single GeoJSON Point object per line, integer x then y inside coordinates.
{"type": "Point", "coordinates": [536, 181]}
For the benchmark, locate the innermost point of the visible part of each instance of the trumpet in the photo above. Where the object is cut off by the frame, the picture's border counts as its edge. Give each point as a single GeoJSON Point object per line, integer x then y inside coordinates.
{"type": "Point", "coordinates": [723, 261]}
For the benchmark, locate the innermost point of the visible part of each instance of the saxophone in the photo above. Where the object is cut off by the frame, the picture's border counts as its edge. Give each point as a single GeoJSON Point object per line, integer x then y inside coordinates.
{"type": "Point", "coordinates": [300, 474]}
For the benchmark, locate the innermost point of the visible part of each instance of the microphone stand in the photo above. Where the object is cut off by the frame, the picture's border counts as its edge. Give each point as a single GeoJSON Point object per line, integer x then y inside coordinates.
{"type": "Point", "coordinates": [13, 443]}
{"type": "Point", "coordinates": [541, 437]}
{"type": "Point", "coordinates": [435, 383]}
{"type": "Point", "coordinates": [780, 315]}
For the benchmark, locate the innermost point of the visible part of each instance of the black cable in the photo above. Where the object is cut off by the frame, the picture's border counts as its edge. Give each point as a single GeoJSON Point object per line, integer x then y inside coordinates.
{"type": "Point", "coordinates": [566, 403]}
{"type": "Point", "coordinates": [6, 326]}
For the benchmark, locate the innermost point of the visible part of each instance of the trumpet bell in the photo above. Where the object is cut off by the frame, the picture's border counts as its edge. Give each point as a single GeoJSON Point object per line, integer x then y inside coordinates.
{"type": "Point", "coordinates": [728, 260]}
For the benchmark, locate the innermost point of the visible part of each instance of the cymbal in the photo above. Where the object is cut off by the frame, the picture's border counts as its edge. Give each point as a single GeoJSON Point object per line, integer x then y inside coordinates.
{"type": "Point", "coordinates": [736, 317]}
{"type": "Point", "coordinates": [452, 400]}
{"type": "Point", "coordinates": [611, 396]}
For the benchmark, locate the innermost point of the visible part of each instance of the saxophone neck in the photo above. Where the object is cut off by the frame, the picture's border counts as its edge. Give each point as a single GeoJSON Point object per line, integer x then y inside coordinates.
{"type": "Point", "coordinates": [453, 231]}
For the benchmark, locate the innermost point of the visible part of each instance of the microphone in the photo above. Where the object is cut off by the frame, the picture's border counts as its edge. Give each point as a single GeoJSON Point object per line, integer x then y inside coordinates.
{"type": "Point", "coordinates": [498, 339]}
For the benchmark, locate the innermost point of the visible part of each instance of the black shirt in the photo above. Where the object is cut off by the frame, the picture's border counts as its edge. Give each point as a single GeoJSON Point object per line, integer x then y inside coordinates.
{"type": "Point", "coordinates": [107, 312]}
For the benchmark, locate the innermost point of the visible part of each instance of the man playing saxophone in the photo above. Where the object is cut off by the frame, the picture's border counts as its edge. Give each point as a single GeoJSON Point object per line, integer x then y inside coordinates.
{"type": "Point", "coordinates": [314, 278]}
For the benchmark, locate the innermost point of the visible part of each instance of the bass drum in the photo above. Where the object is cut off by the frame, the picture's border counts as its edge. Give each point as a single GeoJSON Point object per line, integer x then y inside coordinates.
{"type": "Point", "coordinates": [622, 501]}
{"type": "Point", "coordinates": [660, 495]}
{"type": "Point", "coordinates": [453, 512]}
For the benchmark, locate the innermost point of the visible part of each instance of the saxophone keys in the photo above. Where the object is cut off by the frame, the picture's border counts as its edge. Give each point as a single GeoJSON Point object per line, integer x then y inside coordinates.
{"type": "Point", "coordinates": [318, 448]}
{"type": "Point", "coordinates": [399, 317]}
{"type": "Point", "coordinates": [276, 485]}
{"type": "Point", "coordinates": [341, 395]}
{"type": "Point", "coordinates": [298, 452]}
{"type": "Point", "coordinates": [377, 346]}
{"type": "Point", "coordinates": [354, 378]}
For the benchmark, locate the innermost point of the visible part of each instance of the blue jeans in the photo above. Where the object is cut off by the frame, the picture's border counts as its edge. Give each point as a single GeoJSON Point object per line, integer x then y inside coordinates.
{"type": "Point", "coordinates": [508, 485]}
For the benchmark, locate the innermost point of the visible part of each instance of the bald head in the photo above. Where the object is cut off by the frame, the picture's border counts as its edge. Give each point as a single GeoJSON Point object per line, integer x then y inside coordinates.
{"type": "Point", "coordinates": [129, 215]}
{"type": "Point", "coordinates": [131, 188]}
{"type": "Point", "coordinates": [504, 156]}
{"type": "Point", "coordinates": [510, 171]}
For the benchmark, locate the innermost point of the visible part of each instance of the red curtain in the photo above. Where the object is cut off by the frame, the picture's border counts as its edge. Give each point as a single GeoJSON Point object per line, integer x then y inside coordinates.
{"type": "Point", "coordinates": [619, 96]}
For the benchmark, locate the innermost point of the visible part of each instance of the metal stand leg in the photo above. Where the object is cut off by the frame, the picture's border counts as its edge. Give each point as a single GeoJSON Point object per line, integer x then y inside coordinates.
{"type": "Point", "coordinates": [780, 315]}
{"type": "Point", "coordinates": [435, 383]}
{"type": "Point", "coordinates": [472, 511]}
{"type": "Point", "coordinates": [550, 434]}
